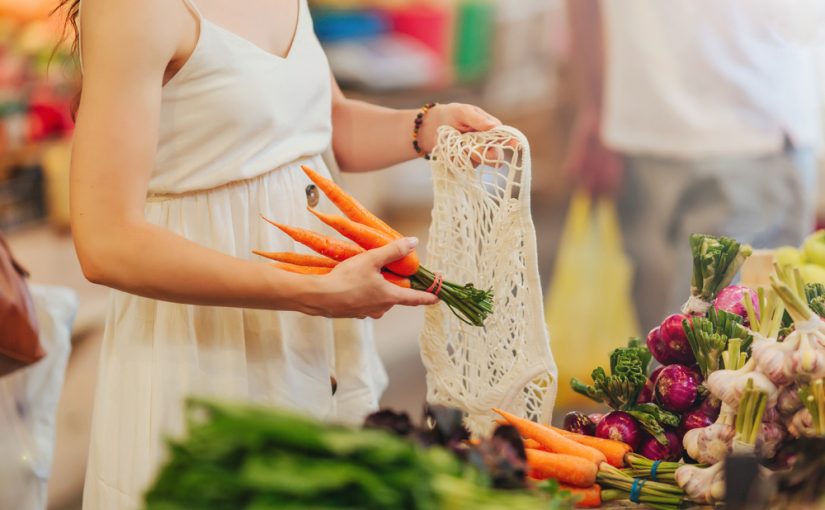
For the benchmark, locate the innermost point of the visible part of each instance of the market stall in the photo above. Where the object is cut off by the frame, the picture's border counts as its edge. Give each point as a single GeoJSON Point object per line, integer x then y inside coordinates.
{"type": "Point", "coordinates": [724, 403]}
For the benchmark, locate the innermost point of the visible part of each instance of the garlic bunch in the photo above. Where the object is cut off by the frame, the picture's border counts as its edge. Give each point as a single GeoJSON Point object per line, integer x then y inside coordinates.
{"type": "Point", "coordinates": [702, 485]}
{"type": "Point", "coordinates": [711, 444]}
{"type": "Point", "coordinates": [801, 356]}
{"type": "Point", "coordinates": [772, 358]}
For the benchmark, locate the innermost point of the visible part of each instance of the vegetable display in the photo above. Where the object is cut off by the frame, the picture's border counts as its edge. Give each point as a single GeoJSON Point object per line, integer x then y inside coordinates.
{"type": "Point", "coordinates": [365, 232]}
{"type": "Point", "coordinates": [246, 457]}
{"type": "Point", "coordinates": [743, 373]}
{"type": "Point", "coordinates": [620, 391]}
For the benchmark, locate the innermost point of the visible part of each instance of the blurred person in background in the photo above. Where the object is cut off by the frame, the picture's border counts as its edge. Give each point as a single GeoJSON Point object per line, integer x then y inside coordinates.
{"type": "Point", "coordinates": [698, 116]}
{"type": "Point", "coordinates": [192, 121]}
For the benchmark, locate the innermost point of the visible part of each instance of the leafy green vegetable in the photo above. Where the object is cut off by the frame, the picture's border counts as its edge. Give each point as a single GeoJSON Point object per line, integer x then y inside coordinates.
{"type": "Point", "coordinates": [709, 336]}
{"type": "Point", "coordinates": [716, 260]}
{"type": "Point", "coordinates": [242, 457]}
{"type": "Point", "coordinates": [620, 390]}
{"type": "Point", "coordinates": [815, 295]}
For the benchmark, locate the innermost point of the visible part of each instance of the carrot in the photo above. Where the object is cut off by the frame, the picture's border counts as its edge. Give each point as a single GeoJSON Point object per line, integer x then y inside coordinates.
{"type": "Point", "coordinates": [532, 443]}
{"type": "Point", "coordinates": [328, 246]}
{"type": "Point", "coordinates": [589, 497]}
{"type": "Point", "coordinates": [317, 270]}
{"type": "Point", "coordinates": [401, 281]}
{"type": "Point", "coordinates": [369, 238]}
{"type": "Point", "coordinates": [552, 440]}
{"type": "Point", "coordinates": [348, 205]}
{"type": "Point", "coordinates": [564, 468]}
{"type": "Point", "coordinates": [299, 259]}
{"type": "Point", "coordinates": [615, 451]}
{"type": "Point", "coordinates": [295, 268]}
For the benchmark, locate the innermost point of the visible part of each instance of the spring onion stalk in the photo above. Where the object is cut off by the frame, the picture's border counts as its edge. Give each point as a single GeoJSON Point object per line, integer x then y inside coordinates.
{"type": "Point", "coordinates": [716, 260]}
{"type": "Point", "coordinates": [641, 467]}
{"type": "Point", "coordinates": [772, 311]}
{"type": "Point", "coordinates": [813, 398]}
{"type": "Point", "coordinates": [749, 417]}
{"type": "Point", "coordinates": [620, 485]}
{"type": "Point", "coordinates": [709, 337]}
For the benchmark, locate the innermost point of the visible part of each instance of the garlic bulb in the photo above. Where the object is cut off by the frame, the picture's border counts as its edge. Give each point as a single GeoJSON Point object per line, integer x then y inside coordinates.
{"type": "Point", "coordinates": [787, 402]}
{"type": "Point", "coordinates": [770, 358]}
{"type": "Point", "coordinates": [808, 359]}
{"type": "Point", "coordinates": [710, 444]}
{"type": "Point", "coordinates": [769, 438]}
{"type": "Point", "coordinates": [698, 483]}
{"type": "Point", "coordinates": [728, 385]}
{"type": "Point", "coordinates": [802, 424]}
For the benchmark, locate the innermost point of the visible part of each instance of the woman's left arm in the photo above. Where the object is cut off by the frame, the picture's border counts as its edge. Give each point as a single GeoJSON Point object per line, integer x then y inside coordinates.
{"type": "Point", "coordinates": [367, 137]}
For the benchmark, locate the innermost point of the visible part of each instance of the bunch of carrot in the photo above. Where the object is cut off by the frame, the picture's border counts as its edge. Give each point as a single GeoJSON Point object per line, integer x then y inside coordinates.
{"type": "Point", "coordinates": [368, 232]}
{"type": "Point", "coordinates": [571, 459]}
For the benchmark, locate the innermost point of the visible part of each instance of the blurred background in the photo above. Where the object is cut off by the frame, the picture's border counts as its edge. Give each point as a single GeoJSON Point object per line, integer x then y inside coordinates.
{"type": "Point", "coordinates": [511, 58]}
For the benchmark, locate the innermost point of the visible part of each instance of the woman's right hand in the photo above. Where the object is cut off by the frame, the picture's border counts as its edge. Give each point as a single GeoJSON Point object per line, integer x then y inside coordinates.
{"type": "Point", "coordinates": [356, 289]}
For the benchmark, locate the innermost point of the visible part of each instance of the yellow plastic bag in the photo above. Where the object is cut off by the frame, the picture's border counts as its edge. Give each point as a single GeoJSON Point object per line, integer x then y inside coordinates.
{"type": "Point", "coordinates": [589, 307]}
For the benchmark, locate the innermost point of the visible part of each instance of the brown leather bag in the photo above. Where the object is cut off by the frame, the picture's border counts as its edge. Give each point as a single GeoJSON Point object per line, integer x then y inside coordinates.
{"type": "Point", "coordinates": [19, 341]}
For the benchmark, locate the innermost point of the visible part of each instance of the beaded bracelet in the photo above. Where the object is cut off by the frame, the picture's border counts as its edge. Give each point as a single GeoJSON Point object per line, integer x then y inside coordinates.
{"type": "Point", "coordinates": [419, 119]}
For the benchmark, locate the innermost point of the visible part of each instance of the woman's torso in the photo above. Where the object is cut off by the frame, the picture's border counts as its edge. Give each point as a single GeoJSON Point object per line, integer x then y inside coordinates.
{"type": "Point", "coordinates": [234, 111]}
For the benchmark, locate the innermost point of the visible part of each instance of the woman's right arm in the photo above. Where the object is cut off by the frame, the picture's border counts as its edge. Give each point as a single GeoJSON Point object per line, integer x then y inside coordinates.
{"type": "Point", "coordinates": [127, 46]}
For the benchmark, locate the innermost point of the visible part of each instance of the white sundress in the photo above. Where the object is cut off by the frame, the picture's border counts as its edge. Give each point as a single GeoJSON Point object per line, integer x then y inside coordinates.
{"type": "Point", "coordinates": [236, 124]}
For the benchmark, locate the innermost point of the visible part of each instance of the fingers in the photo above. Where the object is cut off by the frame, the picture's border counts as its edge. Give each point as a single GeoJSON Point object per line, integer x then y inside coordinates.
{"type": "Point", "coordinates": [393, 251]}
{"type": "Point", "coordinates": [408, 297]}
{"type": "Point", "coordinates": [473, 118]}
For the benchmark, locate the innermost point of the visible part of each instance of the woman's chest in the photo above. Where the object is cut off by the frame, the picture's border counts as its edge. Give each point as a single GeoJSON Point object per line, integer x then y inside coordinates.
{"type": "Point", "coordinates": [271, 25]}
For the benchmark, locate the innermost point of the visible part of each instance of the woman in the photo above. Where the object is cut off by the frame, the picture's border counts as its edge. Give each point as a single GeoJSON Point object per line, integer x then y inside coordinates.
{"type": "Point", "coordinates": [192, 121]}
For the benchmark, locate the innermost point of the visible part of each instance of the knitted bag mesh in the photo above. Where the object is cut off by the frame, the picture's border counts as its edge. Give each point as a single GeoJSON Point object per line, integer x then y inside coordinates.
{"type": "Point", "coordinates": [482, 232]}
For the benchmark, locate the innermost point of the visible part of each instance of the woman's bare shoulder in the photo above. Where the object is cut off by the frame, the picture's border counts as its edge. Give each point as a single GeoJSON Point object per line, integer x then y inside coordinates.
{"type": "Point", "coordinates": [147, 32]}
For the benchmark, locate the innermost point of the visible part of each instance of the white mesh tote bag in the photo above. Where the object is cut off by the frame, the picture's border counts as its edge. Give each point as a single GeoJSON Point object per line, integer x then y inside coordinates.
{"type": "Point", "coordinates": [482, 232]}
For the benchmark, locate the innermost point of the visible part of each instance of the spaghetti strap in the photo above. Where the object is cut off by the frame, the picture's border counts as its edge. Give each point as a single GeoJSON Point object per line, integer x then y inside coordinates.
{"type": "Point", "coordinates": [191, 4]}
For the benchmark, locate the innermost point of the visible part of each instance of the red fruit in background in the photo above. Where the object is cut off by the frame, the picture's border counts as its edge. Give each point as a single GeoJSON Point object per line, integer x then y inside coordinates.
{"type": "Point", "coordinates": [669, 344]}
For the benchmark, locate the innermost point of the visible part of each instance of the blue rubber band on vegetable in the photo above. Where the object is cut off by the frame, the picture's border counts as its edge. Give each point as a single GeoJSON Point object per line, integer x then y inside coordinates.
{"type": "Point", "coordinates": [653, 469]}
{"type": "Point", "coordinates": [636, 489]}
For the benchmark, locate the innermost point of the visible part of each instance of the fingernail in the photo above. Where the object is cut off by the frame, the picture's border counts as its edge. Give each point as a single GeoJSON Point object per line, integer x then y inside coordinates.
{"type": "Point", "coordinates": [412, 242]}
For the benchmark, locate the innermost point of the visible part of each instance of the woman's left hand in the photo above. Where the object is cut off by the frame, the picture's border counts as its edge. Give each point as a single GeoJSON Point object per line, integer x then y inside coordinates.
{"type": "Point", "coordinates": [463, 117]}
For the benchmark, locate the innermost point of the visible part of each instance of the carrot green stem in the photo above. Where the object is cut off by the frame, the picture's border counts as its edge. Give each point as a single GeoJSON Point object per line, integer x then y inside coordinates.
{"type": "Point", "coordinates": [469, 304]}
